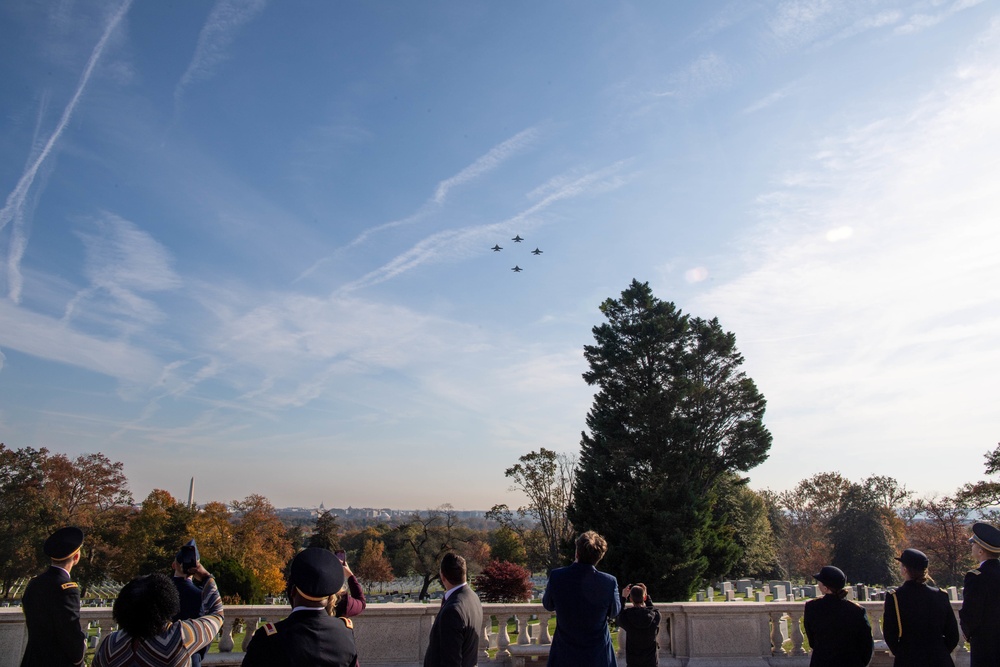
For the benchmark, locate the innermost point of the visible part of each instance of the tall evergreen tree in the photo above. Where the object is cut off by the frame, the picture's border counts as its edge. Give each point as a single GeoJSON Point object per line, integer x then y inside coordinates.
{"type": "Point", "coordinates": [862, 538]}
{"type": "Point", "coordinates": [672, 414]}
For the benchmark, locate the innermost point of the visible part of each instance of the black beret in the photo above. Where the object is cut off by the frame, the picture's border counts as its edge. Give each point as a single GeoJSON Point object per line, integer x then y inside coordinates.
{"type": "Point", "coordinates": [986, 536]}
{"type": "Point", "coordinates": [188, 555]}
{"type": "Point", "coordinates": [831, 577]}
{"type": "Point", "coordinates": [913, 558]}
{"type": "Point", "coordinates": [63, 543]}
{"type": "Point", "coordinates": [316, 573]}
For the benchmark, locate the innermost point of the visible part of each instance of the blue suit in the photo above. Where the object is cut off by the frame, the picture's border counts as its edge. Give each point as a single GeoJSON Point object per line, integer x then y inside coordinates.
{"type": "Point", "coordinates": [583, 599]}
{"type": "Point", "coordinates": [190, 596]}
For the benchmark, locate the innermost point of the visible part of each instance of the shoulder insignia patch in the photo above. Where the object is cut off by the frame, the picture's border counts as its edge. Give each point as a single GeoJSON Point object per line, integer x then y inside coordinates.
{"type": "Point", "coordinates": [348, 622]}
{"type": "Point", "coordinates": [270, 629]}
{"type": "Point", "coordinates": [69, 584]}
{"type": "Point", "coordinates": [974, 572]}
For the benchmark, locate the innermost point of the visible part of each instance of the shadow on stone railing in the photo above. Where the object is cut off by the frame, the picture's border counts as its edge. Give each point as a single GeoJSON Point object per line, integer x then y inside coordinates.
{"type": "Point", "coordinates": [395, 634]}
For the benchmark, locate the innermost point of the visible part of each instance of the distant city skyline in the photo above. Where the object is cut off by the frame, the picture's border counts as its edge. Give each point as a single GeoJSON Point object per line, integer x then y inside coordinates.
{"type": "Point", "coordinates": [253, 241]}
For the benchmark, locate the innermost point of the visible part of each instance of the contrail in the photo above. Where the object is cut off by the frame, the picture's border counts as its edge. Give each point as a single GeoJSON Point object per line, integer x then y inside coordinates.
{"type": "Point", "coordinates": [13, 209]}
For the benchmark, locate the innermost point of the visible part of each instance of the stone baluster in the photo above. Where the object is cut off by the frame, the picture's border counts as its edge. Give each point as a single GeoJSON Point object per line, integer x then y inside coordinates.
{"type": "Point", "coordinates": [794, 618]}
{"type": "Point", "coordinates": [250, 626]}
{"type": "Point", "coordinates": [622, 639]}
{"type": "Point", "coordinates": [522, 629]}
{"type": "Point", "coordinates": [503, 640]}
{"type": "Point", "coordinates": [226, 635]}
{"type": "Point", "coordinates": [961, 644]}
{"type": "Point", "coordinates": [876, 621]}
{"type": "Point", "coordinates": [777, 636]}
{"type": "Point", "coordinates": [484, 639]}
{"type": "Point", "coordinates": [543, 624]}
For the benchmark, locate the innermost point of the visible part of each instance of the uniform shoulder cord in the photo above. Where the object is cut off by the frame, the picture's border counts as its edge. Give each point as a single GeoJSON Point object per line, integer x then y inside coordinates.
{"type": "Point", "coordinates": [899, 621]}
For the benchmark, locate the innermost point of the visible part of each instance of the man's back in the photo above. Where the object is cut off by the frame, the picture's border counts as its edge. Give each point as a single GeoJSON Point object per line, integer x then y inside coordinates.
{"type": "Point", "coordinates": [455, 634]}
{"type": "Point", "coordinates": [306, 637]}
{"type": "Point", "coordinates": [980, 612]}
{"type": "Point", "coordinates": [51, 608]}
{"type": "Point", "coordinates": [583, 599]}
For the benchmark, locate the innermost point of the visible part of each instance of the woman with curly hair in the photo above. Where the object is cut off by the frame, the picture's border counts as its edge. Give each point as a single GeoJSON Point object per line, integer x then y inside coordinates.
{"type": "Point", "coordinates": [146, 635]}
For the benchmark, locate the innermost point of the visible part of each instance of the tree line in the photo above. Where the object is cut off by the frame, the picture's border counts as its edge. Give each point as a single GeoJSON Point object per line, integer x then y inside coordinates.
{"type": "Point", "coordinates": [243, 542]}
{"type": "Point", "coordinates": [825, 519]}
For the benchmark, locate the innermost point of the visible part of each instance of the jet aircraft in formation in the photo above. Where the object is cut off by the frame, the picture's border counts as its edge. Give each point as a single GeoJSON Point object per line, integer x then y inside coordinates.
{"type": "Point", "coordinates": [517, 239]}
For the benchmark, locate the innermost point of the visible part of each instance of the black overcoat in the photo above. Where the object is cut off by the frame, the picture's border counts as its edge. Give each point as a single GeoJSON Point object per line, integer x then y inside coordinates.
{"type": "Point", "coordinates": [51, 605]}
{"type": "Point", "coordinates": [307, 637]}
{"type": "Point", "coordinates": [839, 633]}
{"type": "Point", "coordinates": [980, 614]}
{"type": "Point", "coordinates": [925, 631]}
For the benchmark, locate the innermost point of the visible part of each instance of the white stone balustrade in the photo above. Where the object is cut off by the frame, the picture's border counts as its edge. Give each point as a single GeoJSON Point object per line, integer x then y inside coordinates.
{"type": "Point", "coordinates": [720, 634]}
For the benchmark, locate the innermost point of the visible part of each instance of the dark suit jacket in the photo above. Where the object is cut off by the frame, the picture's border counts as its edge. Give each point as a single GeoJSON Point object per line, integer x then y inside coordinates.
{"type": "Point", "coordinates": [839, 633]}
{"type": "Point", "coordinates": [583, 599]}
{"type": "Point", "coordinates": [980, 613]}
{"type": "Point", "coordinates": [51, 605]}
{"type": "Point", "coordinates": [929, 629]}
{"type": "Point", "coordinates": [304, 639]}
{"type": "Point", "coordinates": [190, 596]}
{"type": "Point", "coordinates": [455, 634]}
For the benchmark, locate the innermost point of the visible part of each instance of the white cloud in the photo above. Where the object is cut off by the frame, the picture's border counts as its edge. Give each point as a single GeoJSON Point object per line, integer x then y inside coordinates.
{"type": "Point", "coordinates": [918, 22]}
{"type": "Point", "coordinates": [770, 100]}
{"type": "Point", "coordinates": [492, 160]}
{"type": "Point", "coordinates": [47, 338]}
{"type": "Point", "coordinates": [217, 35]}
{"type": "Point", "coordinates": [904, 317]}
{"type": "Point", "coordinates": [456, 244]}
{"type": "Point", "coordinates": [487, 163]}
{"type": "Point", "coordinates": [841, 233]}
{"type": "Point", "coordinates": [122, 261]}
{"type": "Point", "coordinates": [14, 209]}
{"type": "Point", "coordinates": [696, 275]}
{"type": "Point", "coordinates": [707, 73]}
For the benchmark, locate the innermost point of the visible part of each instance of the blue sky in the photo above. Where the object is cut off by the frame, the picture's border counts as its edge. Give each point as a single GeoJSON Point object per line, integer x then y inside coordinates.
{"type": "Point", "coordinates": [250, 241]}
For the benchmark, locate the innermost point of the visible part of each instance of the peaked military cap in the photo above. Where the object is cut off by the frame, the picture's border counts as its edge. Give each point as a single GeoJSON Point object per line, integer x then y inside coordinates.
{"type": "Point", "coordinates": [831, 577]}
{"type": "Point", "coordinates": [188, 555]}
{"type": "Point", "coordinates": [913, 558]}
{"type": "Point", "coordinates": [986, 536]}
{"type": "Point", "coordinates": [316, 573]}
{"type": "Point", "coordinates": [63, 543]}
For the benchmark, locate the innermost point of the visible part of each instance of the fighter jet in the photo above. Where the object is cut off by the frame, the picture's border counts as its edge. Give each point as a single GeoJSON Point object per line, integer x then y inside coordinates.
{"type": "Point", "coordinates": [536, 251]}
{"type": "Point", "coordinates": [517, 238]}
{"type": "Point", "coordinates": [496, 248]}
{"type": "Point", "coordinates": [517, 269]}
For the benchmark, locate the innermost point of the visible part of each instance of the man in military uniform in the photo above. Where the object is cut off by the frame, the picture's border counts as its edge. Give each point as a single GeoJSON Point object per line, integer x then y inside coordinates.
{"type": "Point", "coordinates": [980, 614]}
{"type": "Point", "coordinates": [51, 606]}
{"type": "Point", "coordinates": [309, 636]}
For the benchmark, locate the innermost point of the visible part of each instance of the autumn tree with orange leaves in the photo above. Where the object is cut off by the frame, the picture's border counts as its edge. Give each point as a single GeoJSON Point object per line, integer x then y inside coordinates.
{"type": "Point", "coordinates": [261, 542]}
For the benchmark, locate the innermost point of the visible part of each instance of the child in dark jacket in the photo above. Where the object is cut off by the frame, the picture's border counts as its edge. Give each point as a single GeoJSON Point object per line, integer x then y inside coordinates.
{"type": "Point", "coordinates": [641, 623]}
